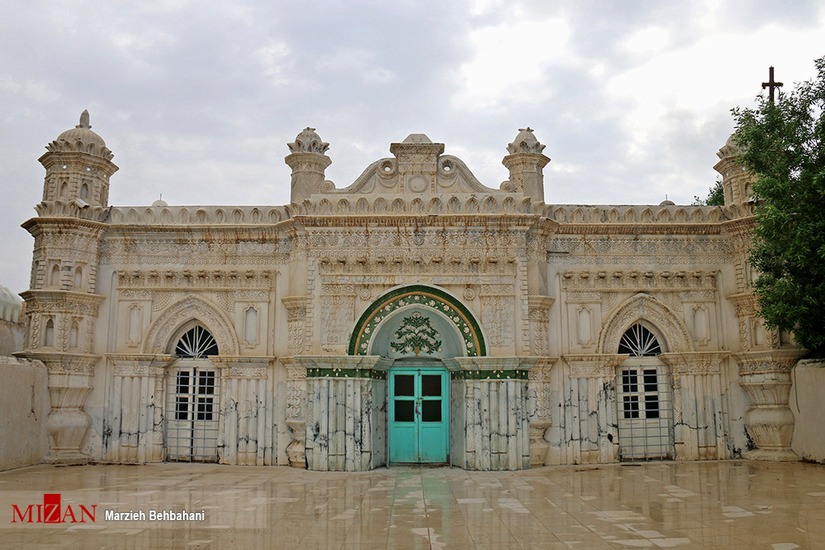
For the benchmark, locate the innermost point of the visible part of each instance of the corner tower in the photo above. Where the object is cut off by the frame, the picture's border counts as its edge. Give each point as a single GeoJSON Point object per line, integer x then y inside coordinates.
{"type": "Point", "coordinates": [526, 163]}
{"type": "Point", "coordinates": [62, 301]}
{"type": "Point", "coordinates": [309, 162]}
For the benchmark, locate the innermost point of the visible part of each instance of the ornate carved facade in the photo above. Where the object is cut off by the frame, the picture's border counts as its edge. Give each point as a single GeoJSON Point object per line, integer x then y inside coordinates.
{"type": "Point", "coordinates": [313, 313]}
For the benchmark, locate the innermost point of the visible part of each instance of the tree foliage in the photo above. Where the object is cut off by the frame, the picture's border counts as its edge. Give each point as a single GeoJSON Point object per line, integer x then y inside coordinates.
{"type": "Point", "coordinates": [716, 196]}
{"type": "Point", "coordinates": [783, 145]}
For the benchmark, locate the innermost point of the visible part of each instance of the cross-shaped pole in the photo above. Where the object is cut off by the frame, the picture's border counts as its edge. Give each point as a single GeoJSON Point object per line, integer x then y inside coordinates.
{"type": "Point", "coordinates": [771, 83]}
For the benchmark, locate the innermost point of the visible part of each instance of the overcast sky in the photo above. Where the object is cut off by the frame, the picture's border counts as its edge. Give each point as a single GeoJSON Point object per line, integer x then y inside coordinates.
{"type": "Point", "coordinates": [197, 99]}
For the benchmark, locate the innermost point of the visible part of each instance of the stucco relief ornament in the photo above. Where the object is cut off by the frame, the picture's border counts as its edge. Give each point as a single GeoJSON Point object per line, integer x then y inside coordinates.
{"type": "Point", "coordinates": [416, 335]}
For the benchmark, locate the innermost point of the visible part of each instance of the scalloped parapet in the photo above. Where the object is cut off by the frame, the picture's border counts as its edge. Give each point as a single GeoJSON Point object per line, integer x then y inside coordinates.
{"type": "Point", "coordinates": [199, 215]}
{"type": "Point", "coordinates": [636, 214]}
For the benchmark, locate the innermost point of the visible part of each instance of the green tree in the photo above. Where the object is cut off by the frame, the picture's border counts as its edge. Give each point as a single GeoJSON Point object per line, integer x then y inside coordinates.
{"type": "Point", "coordinates": [783, 145]}
{"type": "Point", "coordinates": [716, 196]}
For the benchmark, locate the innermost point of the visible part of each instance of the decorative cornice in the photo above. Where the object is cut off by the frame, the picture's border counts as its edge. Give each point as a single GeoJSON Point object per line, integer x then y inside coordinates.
{"type": "Point", "coordinates": [65, 301]}
{"type": "Point", "coordinates": [493, 374]}
{"type": "Point", "coordinates": [64, 363]}
{"type": "Point", "coordinates": [693, 363]}
{"type": "Point", "coordinates": [512, 221]}
{"type": "Point", "coordinates": [37, 226]}
{"type": "Point", "coordinates": [336, 366]}
{"type": "Point", "coordinates": [538, 302]}
{"type": "Point", "coordinates": [211, 279]}
{"type": "Point", "coordinates": [295, 305]}
{"type": "Point", "coordinates": [630, 279]}
{"type": "Point", "coordinates": [594, 365]}
{"type": "Point", "coordinates": [767, 362]}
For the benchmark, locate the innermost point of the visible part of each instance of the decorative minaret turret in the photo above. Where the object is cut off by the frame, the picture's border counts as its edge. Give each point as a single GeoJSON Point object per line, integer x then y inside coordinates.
{"type": "Point", "coordinates": [78, 167]}
{"type": "Point", "coordinates": [308, 162]}
{"type": "Point", "coordinates": [765, 358]}
{"type": "Point", "coordinates": [62, 303]}
{"type": "Point", "coordinates": [736, 180]}
{"type": "Point", "coordinates": [525, 163]}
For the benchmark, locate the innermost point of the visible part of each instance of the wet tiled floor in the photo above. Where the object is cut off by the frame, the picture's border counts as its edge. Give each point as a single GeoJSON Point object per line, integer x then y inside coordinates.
{"type": "Point", "coordinates": [731, 505]}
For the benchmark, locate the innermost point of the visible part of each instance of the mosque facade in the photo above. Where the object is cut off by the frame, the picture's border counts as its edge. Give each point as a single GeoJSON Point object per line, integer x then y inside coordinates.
{"type": "Point", "coordinates": [414, 316]}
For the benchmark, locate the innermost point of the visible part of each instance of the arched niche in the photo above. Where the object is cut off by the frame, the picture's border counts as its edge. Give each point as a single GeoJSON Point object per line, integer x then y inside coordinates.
{"type": "Point", "coordinates": [642, 308]}
{"type": "Point", "coordinates": [377, 328]}
{"type": "Point", "coordinates": [178, 317]}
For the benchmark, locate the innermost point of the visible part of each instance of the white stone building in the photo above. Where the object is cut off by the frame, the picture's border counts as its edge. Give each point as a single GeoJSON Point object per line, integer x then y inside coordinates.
{"type": "Point", "coordinates": [416, 315]}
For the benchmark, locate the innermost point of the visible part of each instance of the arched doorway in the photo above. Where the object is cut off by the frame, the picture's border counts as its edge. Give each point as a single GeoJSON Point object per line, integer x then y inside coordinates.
{"type": "Point", "coordinates": [193, 398]}
{"type": "Point", "coordinates": [417, 339]}
{"type": "Point", "coordinates": [644, 398]}
{"type": "Point", "coordinates": [418, 329]}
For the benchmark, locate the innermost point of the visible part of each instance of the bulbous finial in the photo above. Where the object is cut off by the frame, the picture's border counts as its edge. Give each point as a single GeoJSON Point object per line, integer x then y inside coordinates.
{"type": "Point", "coordinates": [308, 142]}
{"type": "Point", "coordinates": [729, 149]}
{"type": "Point", "coordinates": [84, 120]}
{"type": "Point", "coordinates": [525, 142]}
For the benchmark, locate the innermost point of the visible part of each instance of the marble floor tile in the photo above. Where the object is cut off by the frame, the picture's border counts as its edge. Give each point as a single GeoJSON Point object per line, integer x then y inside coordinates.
{"type": "Point", "coordinates": [704, 505]}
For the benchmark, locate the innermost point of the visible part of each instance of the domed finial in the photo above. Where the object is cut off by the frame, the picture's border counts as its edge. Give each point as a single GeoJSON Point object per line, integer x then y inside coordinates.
{"type": "Point", "coordinates": [308, 142]}
{"type": "Point", "coordinates": [84, 120]}
{"type": "Point", "coordinates": [525, 142]}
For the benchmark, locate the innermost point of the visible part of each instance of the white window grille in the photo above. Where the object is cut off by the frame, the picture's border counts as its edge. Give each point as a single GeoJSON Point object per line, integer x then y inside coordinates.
{"type": "Point", "coordinates": [196, 343]}
{"type": "Point", "coordinates": [638, 341]}
{"type": "Point", "coordinates": [644, 398]}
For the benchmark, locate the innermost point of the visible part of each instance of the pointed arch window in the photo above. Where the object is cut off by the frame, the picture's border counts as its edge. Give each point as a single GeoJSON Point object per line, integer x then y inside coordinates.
{"type": "Point", "coordinates": [48, 336]}
{"type": "Point", "coordinates": [197, 342]}
{"type": "Point", "coordinates": [639, 341]}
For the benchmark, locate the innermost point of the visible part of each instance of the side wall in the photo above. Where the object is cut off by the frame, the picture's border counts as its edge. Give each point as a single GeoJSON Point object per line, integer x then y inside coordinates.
{"type": "Point", "coordinates": [808, 408]}
{"type": "Point", "coordinates": [24, 396]}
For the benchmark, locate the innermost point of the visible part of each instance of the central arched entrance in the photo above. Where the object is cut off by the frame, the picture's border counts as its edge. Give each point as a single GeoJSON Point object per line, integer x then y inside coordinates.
{"type": "Point", "coordinates": [417, 328]}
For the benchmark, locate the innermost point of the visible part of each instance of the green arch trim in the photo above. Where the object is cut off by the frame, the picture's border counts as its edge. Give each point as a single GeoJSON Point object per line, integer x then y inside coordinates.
{"type": "Point", "coordinates": [424, 296]}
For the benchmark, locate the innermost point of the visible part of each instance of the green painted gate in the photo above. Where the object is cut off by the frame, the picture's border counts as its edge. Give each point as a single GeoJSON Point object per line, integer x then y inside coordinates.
{"type": "Point", "coordinates": [419, 415]}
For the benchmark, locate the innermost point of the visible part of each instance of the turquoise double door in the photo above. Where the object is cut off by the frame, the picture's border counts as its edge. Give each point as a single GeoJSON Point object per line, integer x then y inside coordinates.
{"type": "Point", "coordinates": [419, 415]}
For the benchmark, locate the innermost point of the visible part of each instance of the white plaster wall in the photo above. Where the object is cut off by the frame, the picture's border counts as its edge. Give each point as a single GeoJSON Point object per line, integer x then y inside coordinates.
{"type": "Point", "coordinates": [808, 407]}
{"type": "Point", "coordinates": [25, 406]}
{"type": "Point", "coordinates": [11, 337]}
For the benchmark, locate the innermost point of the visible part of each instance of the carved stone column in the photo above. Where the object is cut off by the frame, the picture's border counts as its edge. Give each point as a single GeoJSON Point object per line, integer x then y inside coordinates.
{"type": "Point", "coordinates": [296, 390]}
{"type": "Point", "coordinates": [70, 382]}
{"type": "Point", "coordinates": [539, 313]}
{"type": "Point", "coordinates": [296, 307]}
{"type": "Point", "coordinates": [766, 378]}
{"type": "Point", "coordinates": [539, 410]}
{"type": "Point", "coordinates": [61, 335]}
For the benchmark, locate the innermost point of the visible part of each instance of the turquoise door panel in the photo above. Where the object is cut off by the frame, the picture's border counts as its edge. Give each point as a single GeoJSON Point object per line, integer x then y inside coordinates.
{"type": "Point", "coordinates": [419, 423]}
